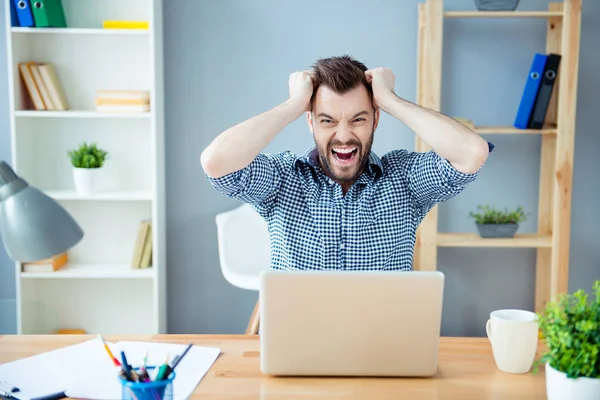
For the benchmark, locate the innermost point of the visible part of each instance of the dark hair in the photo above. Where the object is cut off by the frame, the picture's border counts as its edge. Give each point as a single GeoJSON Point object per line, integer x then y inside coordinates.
{"type": "Point", "coordinates": [340, 74]}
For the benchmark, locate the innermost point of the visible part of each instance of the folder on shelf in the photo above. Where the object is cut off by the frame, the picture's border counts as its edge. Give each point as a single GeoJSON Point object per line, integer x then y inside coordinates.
{"type": "Point", "coordinates": [14, 20]}
{"type": "Point", "coordinates": [530, 92]}
{"type": "Point", "coordinates": [545, 93]}
{"type": "Point", "coordinates": [48, 13]}
{"type": "Point", "coordinates": [23, 13]}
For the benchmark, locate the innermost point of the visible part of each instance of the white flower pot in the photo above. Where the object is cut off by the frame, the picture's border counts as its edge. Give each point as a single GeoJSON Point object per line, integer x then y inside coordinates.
{"type": "Point", "coordinates": [559, 387]}
{"type": "Point", "coordinates": [87, 180]}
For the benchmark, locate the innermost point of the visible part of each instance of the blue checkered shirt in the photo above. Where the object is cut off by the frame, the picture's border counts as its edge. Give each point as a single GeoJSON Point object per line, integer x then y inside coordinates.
{"type": "Point", "coordinates": [313, 226]}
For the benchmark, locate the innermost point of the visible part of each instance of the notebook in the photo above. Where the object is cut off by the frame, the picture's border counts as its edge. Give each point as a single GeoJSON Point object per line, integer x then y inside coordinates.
{"type": "Point", "coordinates": [84, 370]}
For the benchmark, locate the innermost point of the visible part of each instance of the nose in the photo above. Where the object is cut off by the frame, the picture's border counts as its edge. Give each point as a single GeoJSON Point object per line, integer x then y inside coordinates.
{"type": "Point", "coordinates": [344, 133]}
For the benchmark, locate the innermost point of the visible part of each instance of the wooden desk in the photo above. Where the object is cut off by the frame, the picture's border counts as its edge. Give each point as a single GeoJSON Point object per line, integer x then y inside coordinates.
{"type": "Point", "coordinates": [466, 371]}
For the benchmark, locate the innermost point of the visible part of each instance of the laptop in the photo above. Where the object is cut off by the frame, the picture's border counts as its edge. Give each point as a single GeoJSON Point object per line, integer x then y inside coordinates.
{"type": "Point", "coordinates": [350, 323]}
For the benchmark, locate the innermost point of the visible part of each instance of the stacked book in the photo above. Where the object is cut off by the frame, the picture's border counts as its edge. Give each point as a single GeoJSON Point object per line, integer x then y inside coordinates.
{"type": "Point", "coordinates": [142, 251]}
{"type": "Point", "coordinates": [43, 87]}
{"type": "Point", "coordinates": [51, 264]}
{"type": "Point", "coordinates": [125, 101]}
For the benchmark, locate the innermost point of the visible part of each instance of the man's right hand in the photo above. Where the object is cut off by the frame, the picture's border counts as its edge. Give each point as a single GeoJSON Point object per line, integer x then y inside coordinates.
{"type": "Point", "coordinates": [236, 147]}
{"type": "Point", "coordinates": [301, 88]}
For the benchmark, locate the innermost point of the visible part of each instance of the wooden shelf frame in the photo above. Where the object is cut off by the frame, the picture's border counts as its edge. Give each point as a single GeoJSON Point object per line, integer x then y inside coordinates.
{"type": "Point", "coordinates": [552, 241]}
{"type": "Point", "coordinates": [502, 14]}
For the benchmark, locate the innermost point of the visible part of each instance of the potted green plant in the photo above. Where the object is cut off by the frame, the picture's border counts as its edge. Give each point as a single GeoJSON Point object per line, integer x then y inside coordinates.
{"type": "Point", "coordinates": [87, 161]}
{"type": "Point", "coordinates": [493, 223]}
{"type": "Point", "coordinates": [570, 327]}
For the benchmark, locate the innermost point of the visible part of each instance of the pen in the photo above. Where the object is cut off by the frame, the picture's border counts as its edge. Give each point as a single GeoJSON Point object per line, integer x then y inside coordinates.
{"type": "Point", "coordinates": [53, 396]}
{"type": "Point", "coordinates": [177, 359]}
{"type": "Point", "coordinates": [126, 370]}
{"type": "Point", "coordinates": [143, 375]}
{"type": "Point", "coordinates": [163, 371]}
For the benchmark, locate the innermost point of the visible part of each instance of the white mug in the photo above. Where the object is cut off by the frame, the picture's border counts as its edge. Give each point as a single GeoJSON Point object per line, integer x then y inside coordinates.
{"type": "Point", "coordinates": [514, 338]}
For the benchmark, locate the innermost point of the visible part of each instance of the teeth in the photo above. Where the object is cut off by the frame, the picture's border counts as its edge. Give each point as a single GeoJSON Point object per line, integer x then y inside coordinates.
{"type": "Point", "coordinates": [344, 151]}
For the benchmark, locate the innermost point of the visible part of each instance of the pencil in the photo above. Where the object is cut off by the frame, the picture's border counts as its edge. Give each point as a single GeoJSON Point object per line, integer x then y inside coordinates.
{"type": "Point", "coordinates": [110, 354]}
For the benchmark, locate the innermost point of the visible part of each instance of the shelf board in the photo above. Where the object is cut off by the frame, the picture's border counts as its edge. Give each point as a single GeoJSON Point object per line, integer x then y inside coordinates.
{"type": "Point", "coordinates": [79, 114]}
{"type": "Point", "coordinates": [474, 240]}
{"type": "Point", "coordinates": [511, 130]}
{"type": "Point", "coordinates": [93, 271]}
{"type": "Point", "coordinates": [81, 31]}
{"type": "Point", "coordinates": [502, 14]}
{"type": "Point", "coordinates": [101, 196]}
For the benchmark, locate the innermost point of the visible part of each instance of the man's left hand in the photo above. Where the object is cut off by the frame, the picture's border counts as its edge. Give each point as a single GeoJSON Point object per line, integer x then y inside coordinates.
{"type": "Point", "coordinates": [382, 81]}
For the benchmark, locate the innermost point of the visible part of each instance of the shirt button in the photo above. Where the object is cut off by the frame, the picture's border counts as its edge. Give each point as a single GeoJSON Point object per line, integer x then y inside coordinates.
{"type": "Point", "coordinates": [342, 246]}
{"type": "Point", "coordinates": [330, 181]}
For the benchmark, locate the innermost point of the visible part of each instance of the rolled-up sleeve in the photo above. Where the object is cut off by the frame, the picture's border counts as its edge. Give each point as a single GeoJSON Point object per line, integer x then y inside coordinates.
{"type": "Point", "coordinates": [256, 184]}
{"type": "Point", "coordinates": [430, 178]}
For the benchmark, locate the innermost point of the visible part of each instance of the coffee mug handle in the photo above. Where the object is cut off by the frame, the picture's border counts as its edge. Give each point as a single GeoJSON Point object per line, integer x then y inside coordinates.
{"type": "Point", "coordinates": [487, 328]}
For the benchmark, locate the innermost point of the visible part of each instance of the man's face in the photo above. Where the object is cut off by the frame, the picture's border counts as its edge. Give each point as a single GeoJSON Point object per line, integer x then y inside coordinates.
{"type": "Point", "coordinates": [343, 126]}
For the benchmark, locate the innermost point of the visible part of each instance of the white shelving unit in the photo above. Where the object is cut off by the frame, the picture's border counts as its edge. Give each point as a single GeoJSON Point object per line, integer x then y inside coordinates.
{"type": "Point", "coordinates": [97, 291]}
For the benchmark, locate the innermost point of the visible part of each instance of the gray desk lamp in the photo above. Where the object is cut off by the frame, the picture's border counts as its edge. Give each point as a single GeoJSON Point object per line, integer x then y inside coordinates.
{"type": "Point", "coordinates": [33, 226]}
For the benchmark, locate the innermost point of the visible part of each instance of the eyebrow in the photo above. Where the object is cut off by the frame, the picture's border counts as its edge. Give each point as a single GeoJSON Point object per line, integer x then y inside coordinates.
{"type": "Point", "coordinates": [364, 112]}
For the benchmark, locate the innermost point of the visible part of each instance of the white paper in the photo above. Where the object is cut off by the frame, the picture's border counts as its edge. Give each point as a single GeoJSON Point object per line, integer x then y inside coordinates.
{"type": "Point", "coordinates": [49, 372]}
{"type": "Point", "coordinates": [86, 371]}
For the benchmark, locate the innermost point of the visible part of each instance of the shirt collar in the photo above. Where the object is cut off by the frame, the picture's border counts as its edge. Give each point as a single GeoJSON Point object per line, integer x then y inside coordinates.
{"type": "Point", "coordinates": [311, 158]}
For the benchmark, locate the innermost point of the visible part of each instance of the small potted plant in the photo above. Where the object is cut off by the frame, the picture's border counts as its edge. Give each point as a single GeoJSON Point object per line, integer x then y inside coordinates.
{"type": "Point", "coordinates": [570, 327]}
{"type": "Point", "coordinates": [87, 161]}
{"type": "Point", "coordinates": [493, 223]}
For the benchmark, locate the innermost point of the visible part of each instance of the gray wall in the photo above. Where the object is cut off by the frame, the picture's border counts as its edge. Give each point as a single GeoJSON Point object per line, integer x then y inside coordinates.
{"type": "Point", "coordinates": [8, 318]}
{"type": "Point", "coordinates": [226, 61]}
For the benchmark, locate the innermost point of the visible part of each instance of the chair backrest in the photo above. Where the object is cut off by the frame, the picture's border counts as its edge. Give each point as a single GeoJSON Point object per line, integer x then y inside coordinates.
{"type": "Point", "coordinates": [244, 247]}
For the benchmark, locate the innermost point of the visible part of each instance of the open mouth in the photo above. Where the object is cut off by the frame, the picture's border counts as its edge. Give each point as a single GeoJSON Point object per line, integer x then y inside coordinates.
{"type": "Point", "coordinates": [344, 155]}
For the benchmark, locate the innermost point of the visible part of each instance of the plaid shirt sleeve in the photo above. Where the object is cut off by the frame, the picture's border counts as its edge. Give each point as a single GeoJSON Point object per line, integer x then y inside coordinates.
{"type": "Point", "coordinates": [430, 178]}
{"type": "Point", "coordinates": [258, 183]}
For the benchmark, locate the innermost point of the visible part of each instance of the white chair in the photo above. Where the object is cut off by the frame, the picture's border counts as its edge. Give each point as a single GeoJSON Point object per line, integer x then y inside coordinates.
{"type": "Point", "coordinates": [244, 251]}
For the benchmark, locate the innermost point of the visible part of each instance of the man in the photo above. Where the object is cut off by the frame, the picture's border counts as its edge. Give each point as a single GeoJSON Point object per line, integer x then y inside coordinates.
{"type": "Point", "coordinates": [340, 206]}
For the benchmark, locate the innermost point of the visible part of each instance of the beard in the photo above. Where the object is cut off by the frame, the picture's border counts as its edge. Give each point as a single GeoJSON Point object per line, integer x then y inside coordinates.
{"type": "Point", "coordinates": [344, 173]}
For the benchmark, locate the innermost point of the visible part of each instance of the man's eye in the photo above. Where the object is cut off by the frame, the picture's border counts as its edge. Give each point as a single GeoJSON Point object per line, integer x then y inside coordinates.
{"type": "Point", "coordinates": [326, 121]}
{"type": "Point", "coordinates": [359, 119]}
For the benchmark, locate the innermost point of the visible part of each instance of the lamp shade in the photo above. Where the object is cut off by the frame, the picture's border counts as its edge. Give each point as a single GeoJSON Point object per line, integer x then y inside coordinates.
{"type": "Point", "coordinates": [33, 226]}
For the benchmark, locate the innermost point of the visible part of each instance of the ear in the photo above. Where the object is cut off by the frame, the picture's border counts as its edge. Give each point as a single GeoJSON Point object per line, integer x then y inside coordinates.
{"type": "Point", "coordinates": [310, 121]}
{"type": "Point", "coordinates": [376, 118]}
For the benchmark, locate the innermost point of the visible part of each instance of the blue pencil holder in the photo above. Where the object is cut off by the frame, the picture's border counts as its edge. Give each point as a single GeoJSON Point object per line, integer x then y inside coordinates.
{"type": "Point", "coordinates": [155, 390]}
